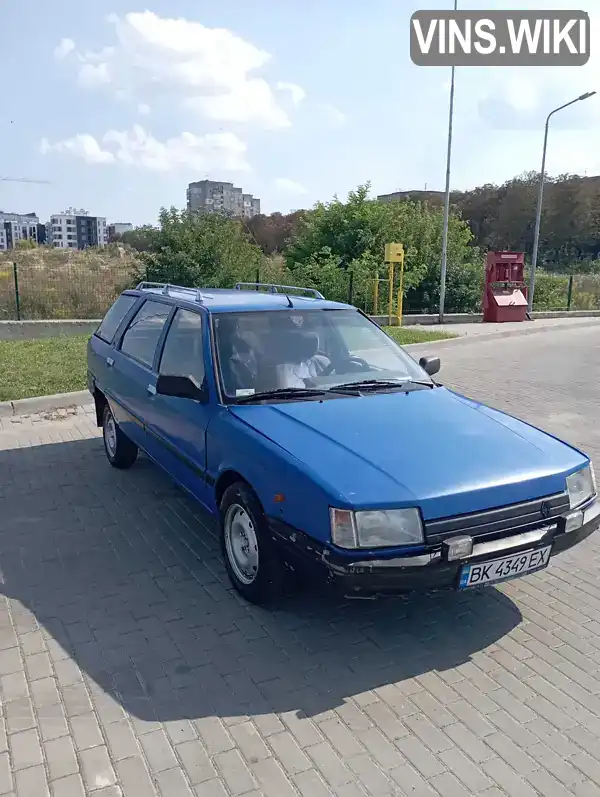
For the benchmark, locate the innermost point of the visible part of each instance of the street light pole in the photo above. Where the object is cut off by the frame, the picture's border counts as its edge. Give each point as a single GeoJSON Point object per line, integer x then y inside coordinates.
{"type": "Point", "coordinates": [447, 197]}
{"type": "Point", "coordinates": [538, 214]}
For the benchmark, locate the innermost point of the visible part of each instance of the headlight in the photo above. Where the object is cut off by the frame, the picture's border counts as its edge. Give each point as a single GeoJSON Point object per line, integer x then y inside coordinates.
{"type": "Point", "coordinates": [376, 529]}
{"type": "Point", "coordinates": [581, 486]}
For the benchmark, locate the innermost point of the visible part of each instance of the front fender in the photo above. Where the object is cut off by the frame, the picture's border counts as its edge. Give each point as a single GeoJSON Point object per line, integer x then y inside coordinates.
{"type": "Point", "coordinates": [282, 482]}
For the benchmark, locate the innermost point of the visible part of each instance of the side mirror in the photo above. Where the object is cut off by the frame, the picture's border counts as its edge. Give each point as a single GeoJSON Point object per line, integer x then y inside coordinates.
{"type": "Point", "coordinates": [180, 387]}
{"type": "Point", "coordinates": [430, 364]}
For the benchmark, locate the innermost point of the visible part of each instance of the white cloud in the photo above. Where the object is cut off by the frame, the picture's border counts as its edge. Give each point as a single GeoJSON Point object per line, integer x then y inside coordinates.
{"type": "Point", "coordinates": [138, 148]}
{"type": "Point", "coordinates": [212, 70]}
{"type": "Point", "coordinates": [288, 186]}
{"type": "Point", "coordinates": [65, 47]}
{"type": "Point", "coordinates": [254, 102]}
{"type": "Point", "coordinates": [144, 109]}
{"type": "Point", "coordinates": [334, 116]}
{"type": "Point", "coordinates": [81, 146]}
{"type": "Point", "coordinates": [297, 92]}
{"type": "Point", "coordinates": [93, 75]}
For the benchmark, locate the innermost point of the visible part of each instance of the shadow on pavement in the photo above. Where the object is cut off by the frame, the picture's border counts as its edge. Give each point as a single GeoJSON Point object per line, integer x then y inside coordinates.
{"type": "Point", "coordinates": [124, 573]}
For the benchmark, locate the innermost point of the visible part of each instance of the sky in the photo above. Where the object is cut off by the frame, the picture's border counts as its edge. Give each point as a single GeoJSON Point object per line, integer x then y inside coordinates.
{"type": "Point", "coordinates": [118, 107]}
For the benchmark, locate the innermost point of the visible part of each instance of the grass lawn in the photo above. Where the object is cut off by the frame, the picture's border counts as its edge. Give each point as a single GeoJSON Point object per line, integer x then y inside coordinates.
{"type": "Point", "coordinates": [58, 365]}
{"type": "Point", "coordinates": [42, 367]}
{"type": "Point", "coordinates": [406, 335]}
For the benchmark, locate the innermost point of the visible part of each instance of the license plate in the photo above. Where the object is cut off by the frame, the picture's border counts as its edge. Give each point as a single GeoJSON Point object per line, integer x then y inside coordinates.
{"type": "Point", "coordinates": [518, 564]}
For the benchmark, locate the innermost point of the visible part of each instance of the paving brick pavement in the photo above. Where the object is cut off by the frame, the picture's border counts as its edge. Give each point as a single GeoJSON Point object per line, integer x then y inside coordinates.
{"type": "Point", "coordinates": [479, 330]}
{"type": "Point", "coordinates": [129, 669]}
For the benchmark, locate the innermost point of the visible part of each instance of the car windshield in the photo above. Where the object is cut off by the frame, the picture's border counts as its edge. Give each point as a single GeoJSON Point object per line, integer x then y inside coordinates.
{"type": "Point", "coordinates": [259, 352]}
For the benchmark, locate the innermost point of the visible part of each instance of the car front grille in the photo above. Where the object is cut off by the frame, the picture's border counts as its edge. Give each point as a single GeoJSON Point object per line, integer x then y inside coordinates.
{"type": "Point", "coordinates": [501, 522]}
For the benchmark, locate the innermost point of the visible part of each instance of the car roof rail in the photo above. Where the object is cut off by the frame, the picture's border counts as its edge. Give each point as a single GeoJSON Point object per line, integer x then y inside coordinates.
{"type": "Point", "coordinates": [166, 287]}
{"type": "Point", "coordinates": [270, 287]}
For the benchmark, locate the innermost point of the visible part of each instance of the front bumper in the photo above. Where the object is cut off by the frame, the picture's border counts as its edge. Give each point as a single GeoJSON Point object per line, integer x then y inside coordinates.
{"type": "Point", "coordinates": [424, 572]}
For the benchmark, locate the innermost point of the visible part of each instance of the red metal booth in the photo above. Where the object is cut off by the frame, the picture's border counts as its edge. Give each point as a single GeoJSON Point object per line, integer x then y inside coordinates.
{"type": "Point", "coordinates": [504, 291]}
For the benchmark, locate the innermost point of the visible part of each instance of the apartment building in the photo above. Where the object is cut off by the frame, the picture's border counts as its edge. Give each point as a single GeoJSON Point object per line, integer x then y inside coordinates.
{"type": "Point", "coordinates": [118, 228]}
{"type": "Point", "coordinates": [251, 206]}
{"type": "Point", "coordinates": [209, 196]}
{"type": "Point", "coordinates": [15, 227]}
{"type": "Point", "coordinates": [76, 229]}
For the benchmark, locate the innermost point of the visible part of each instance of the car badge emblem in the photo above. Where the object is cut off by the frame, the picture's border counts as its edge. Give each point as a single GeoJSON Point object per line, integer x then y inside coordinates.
{"type": "Point", "coordinates": [545, 509]}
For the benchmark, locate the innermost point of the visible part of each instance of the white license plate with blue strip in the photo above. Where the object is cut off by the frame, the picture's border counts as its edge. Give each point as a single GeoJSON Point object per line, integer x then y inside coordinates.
{"type": "Point", "coordinates": [496, 570]}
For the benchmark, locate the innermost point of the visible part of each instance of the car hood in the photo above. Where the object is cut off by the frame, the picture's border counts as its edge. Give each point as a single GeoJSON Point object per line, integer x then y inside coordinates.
{"type": "Point", "coordinates": [429, 448]}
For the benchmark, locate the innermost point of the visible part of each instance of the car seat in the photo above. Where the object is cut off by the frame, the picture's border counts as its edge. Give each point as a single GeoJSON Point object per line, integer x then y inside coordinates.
{"type": "Point", "coordinates": [290, 348]}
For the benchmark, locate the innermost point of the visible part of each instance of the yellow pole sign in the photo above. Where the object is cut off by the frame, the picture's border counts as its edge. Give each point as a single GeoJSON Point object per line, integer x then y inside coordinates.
{"type": "Point", "coordinates": [390, 293]}
{"type": "Point", "coordinates": [394, 253]}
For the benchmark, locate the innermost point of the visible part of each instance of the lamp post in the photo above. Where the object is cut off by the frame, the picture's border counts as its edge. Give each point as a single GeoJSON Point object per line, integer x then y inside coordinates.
{"type": "Point", "coordinates": [538, 215]}
{"type": "Point", "coordinates": [447, 197]}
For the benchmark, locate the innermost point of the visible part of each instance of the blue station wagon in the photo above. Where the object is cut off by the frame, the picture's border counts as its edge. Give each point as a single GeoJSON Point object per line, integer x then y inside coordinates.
{"type": "Point", "coordinates": [324, 449]}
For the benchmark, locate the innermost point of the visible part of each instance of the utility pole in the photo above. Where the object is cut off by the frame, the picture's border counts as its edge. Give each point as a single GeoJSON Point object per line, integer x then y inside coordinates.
{"type": "Point", "coordinates": [447, 197]}
{"type": "Point", "coordinates": [538, 214]}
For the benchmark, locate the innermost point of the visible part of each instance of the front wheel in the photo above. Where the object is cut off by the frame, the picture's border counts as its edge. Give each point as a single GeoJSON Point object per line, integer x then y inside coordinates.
{"type": "Point", "coordinates": [120, 451]}
{"type": "Point", "coordinates": [252, 562]}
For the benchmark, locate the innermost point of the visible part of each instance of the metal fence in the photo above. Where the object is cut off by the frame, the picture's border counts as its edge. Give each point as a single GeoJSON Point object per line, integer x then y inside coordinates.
{"type": "Point", "coordinates": [566, 292]}
{"type": "Point", "coordinates": [50, 286]}
{"type": "Point", "coordinates": [33, 290]}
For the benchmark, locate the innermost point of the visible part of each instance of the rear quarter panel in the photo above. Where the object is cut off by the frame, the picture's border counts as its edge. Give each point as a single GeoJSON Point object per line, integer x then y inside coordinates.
{"type": "Point", "coordinates": [97, 352]}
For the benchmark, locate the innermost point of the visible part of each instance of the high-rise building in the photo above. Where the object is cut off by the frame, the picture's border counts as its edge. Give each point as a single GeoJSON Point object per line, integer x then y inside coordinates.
{"type": "Point", "coordinates": [15, 227]}
{"type": "Point", "coordinates": [208, 196]}
{"type": "Point", "coordinates": [76, 229]}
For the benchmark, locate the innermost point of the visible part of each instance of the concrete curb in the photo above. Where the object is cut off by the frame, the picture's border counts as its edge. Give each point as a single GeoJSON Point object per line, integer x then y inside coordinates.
{"type": "Point", "coordinates": [529, 328]}
{"type": "Point", "coordinates": [36, 404]}
{"type": "Point", "coordinates": [52, 328]}
{"type": "Point", "coordinates": [432, 319]}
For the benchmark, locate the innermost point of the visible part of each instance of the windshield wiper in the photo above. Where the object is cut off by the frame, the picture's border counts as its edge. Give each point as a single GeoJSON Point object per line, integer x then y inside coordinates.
{"type": "Point", "coordinates": [376, 384]}
{"type": "Point", "coordinates": [283, 392]}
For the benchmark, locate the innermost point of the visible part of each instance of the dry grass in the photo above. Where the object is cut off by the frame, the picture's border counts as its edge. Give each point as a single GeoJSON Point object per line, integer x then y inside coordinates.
{"type": "Point", "coordinates": [54, 284]}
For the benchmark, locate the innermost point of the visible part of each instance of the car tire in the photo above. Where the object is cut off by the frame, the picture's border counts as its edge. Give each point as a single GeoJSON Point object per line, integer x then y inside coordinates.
{"type": "Point", "coordinates": [120, 451]}
{"type": "Point", "coordinates": [253, 564]}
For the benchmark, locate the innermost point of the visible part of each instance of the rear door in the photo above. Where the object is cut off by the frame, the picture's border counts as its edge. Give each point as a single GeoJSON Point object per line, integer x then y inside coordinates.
{"type": "Point", "coordinates": [180, 424]}
{"type": "Point", "coordinates": [133, 371]}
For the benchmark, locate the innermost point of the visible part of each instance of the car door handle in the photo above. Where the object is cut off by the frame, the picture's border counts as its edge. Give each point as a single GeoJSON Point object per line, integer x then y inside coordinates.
{"type": "Point", "coordinates": [110, 362]}
{"type": "Point", "coordinates": [151, 390]}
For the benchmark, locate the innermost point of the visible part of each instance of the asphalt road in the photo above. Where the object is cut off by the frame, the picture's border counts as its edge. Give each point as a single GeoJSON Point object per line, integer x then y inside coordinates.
{"type": "Point", "coordinates": [127, 666]}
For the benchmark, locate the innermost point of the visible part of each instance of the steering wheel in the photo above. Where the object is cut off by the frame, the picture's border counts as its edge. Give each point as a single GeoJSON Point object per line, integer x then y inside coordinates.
{"type": "Point", "coordinates": [332, 368]}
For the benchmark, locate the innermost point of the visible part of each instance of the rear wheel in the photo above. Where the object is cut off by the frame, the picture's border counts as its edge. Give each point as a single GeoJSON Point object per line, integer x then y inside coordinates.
{"type": "Point", "coordinates": [254, 567]}
{"type": "Point", "coordinates": [120, 451]}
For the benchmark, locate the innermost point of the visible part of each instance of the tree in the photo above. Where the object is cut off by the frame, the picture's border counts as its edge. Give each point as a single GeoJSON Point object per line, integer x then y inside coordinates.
{"type": "Point", "coordinates": [199, 250]}
{"type": "Point", "coordinates": [140, 238]}
{"type": "Point", "coordinates": [503, 217]}
{"type": "Point", "coordinates": [337, 237]}
{"type": "Point", "coordinates": [273, 232]}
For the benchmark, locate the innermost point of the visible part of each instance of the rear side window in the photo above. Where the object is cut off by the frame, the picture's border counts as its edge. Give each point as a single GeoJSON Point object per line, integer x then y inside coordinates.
{"type": "Point", "coordinates": [183, 354]}
{"type": "Point", "coordinates": [113, 318]}
{"type": "Point", "coordinates": [141, 337]}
